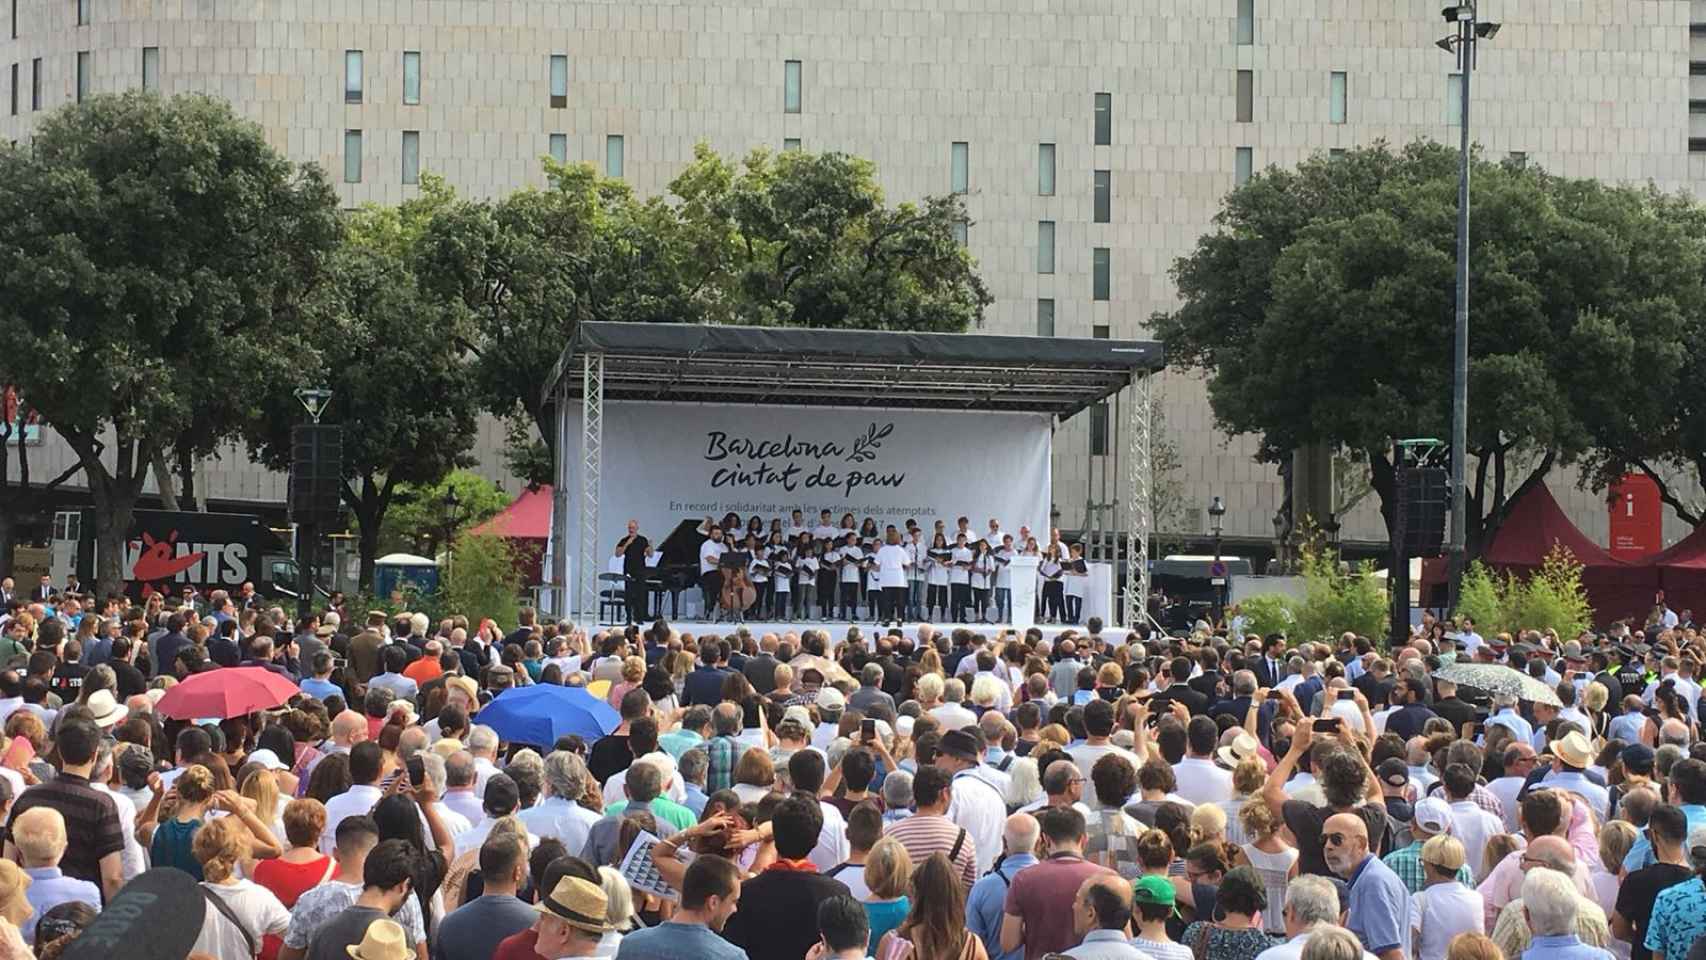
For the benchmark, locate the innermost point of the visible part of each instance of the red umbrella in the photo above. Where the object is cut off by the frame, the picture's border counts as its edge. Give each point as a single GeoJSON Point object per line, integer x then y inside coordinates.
{"type": "Point", "coordinates": [226, 692]}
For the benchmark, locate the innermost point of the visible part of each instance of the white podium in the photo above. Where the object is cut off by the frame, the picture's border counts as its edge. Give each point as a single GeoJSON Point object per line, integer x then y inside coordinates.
{"type": "Point", "coordinates": [1023, 576]}
{"type": "Point", "coordinates": [1099, 593]}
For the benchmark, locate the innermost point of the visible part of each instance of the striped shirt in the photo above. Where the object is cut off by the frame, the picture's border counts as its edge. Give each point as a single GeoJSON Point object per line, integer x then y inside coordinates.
{"type": "Point", "coordinates": [91, 822]}
{"type": "Point", "coordinates": [926, 834]}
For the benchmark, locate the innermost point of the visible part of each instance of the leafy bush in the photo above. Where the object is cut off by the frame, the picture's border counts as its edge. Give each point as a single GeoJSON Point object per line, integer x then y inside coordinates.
{"type": "Point", "coordinates": [1334, 603]}
{"type": "Point", "coordinates": [1269, 613]}
{"type": "Point", "coordinates": [1552, 598]}
{"type": "Point", "coordinates": [483, 579]}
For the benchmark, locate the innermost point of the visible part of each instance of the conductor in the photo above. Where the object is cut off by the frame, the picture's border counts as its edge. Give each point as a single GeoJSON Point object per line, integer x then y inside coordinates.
{"type": "Point", "coordinates": [634, 550]}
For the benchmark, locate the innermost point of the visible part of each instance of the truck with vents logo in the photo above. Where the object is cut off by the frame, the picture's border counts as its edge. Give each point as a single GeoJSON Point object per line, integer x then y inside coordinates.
{"type": "Point", "coordinates": [169, 550]}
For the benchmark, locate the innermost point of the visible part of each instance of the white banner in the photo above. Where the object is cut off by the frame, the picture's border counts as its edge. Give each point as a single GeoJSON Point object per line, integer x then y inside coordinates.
{"type": "Point", "coordinates": [668, 462]}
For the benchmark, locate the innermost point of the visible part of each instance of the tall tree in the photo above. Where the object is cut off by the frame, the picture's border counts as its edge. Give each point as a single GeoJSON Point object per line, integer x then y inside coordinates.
{"type": "Point", "coordinates": [156, 256]}
{"type": "Point", "coordinates": [400, 387]}
{"type": "Point", "coordinates": [1321, 305]}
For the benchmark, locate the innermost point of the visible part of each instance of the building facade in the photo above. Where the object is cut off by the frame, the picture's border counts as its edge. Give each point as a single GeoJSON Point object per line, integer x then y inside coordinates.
{"type": "Point", "coordinates": [1093, 139]}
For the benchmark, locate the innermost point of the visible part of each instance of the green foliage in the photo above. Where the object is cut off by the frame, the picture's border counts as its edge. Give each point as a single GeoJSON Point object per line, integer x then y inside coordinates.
{"type": "Point", "coordinates": [1269, 613]}
{"type": "Point", "coordinates": [1551, 598]}
{"type": "Point", "coordinates": [158, 259]}
{"type": "Point", "coordinates": [415, 521]}
{"type": "Point", "coordinates": [1335, 602]}
{"type": "Point", "coordinates": [797, 239]}
{"type": "Point", "coordinates": [483, 579]}
{"type": "Point", "coordinates": [1315, 304]}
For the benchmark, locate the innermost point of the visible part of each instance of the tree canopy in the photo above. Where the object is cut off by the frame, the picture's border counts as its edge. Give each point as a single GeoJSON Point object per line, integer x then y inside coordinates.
{"type": "Point", "coordinates": [157, 257]}
{"type": "Point", "coordinates": [1321, 308]}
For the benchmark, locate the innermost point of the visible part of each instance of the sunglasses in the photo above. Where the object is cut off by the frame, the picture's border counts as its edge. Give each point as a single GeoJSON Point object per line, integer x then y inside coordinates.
{"type": "Point", "coordinates": [1334, 839]}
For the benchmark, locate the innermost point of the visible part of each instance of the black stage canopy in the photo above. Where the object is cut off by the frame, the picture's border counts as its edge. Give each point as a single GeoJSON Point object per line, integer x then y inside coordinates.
{"type": "Point", "coordinates": [798, 366]}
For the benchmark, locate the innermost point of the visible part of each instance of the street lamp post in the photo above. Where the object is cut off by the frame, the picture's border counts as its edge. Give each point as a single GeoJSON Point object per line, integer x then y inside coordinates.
{"type": "Point", "coordinates": [1217, 572]}
{"type": "Point", "coordinates": [1469, 32]}
{"type": "Point", "coordinates": [452, 513]}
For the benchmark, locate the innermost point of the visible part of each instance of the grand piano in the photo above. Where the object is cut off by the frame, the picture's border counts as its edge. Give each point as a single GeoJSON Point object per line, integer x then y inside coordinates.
{"type": "Point", "coordinates": [677, 568]}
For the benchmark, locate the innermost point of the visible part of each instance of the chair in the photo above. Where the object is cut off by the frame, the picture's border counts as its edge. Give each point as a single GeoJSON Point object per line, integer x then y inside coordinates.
{"type": "Point", "coordinates": [613, 597]}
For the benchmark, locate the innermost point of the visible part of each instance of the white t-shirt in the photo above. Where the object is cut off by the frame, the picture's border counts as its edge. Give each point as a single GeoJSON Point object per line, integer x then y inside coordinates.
{"type": "Point", "coordinates": [710, 552]}
{"type": "Point", "coordinates": [823, 531]}
{"type": "Point", "coordinates": [1441, 912]}
{"type": "Point", "coordinates": [1201, 781]}
{"type": "Point", "coordinates": [892, 559]}
{"type": "Point", "coordinates": [1004, 572]}
{"type": "Point", "coordinates": [254, 905]}
{"type": "Point", "coordinates": [850, 572]}
{"type": "Point", "coordinates": [936, 574]}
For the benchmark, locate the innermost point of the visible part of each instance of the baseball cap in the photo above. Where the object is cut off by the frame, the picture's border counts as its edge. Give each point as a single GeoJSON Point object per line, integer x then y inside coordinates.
{"type": "Point", "coordinates": [830, 698]}
{"type": "Point", "coordinates": [1393, 772]}
{"type": "Point", "coordinates": [1156, 891]}
{"type": "Point", "coordinates": [267, 759]}
{"type": "Point", "coordinates": [1638, 758]}
{"type": "Point", "coordinates": [958, 743]}
{"type": "Point", "coordinates": [1433, 815]}
{"type": "Point", "coordinates": [799, 715]}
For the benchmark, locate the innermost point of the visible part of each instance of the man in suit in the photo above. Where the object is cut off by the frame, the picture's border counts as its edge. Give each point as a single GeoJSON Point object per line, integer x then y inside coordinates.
{"type": "Point", "coordinates": [1270, 669]}
{"type": "Point", "coordinates": [634, 550]}
{"type": "Point", "coordinates": [43, 590]}
{"type": "Point", "coordinates": [1207, 683]}
{"type": "Point", "coordinates": [7, 591]}
{"type": "Point", "coordinates": [1181, 690]}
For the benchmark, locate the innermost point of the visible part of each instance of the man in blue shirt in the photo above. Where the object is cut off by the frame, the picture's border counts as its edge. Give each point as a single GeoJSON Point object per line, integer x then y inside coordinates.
{"type": "Point", "coordinates": [1575, 755]}
{"type": "Point", "coordinates": [1550, 903]}
{"type": "Point", "coordinates": [710, 892]}
{"type": "Point", "coordinates": [475, 929]}
{"type": "Point", "coordinates": [320, 685]}
{"type": "Point", "coordinates": [1505, 715]}
{"type": "Point", "coordinates": [983, 907]}
{"type": "Point", "coordinates": [1688, 791]}
{"type": "Point", "coordinates": [1379, 912]}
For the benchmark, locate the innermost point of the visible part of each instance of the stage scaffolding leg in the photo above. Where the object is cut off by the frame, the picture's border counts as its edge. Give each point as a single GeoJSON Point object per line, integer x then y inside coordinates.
{"type": "Point", "coordinates": [592, 466]}
{"type": "Point", "coordinates": [1138, 485]}
{"type": "Point", "coordinates": [561, 590]}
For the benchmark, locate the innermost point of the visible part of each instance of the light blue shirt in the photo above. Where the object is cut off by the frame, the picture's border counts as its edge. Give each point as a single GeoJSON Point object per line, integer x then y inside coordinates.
{"type": "Point", "coordinates": [400, 686]}
{"type": "Point", "coordinates": [1566, 947]}
{"type": "Point", "coordinates": [320, 689]}
{"type": "Point", "coordinates": [677, 742]}
{"type": "Point", "coordinates": [1379, 908]}
{"type": "Point", "coordinates": [1641, 854]}
{"type": "Point", "coordinates": [49, 888]}
{"type": "Point", "coordinates": [1627, 727]}
{"type": "Point", "coordinates": [983, 907]}
{"type": "Point", "coordinates": [1508, 717]}
{"type": "Point", "coordinates": [1106, 945]}
{"type": "Point", "coordinates": [675, 941]}
{"type": "Point", "coordinates": [696, 799]}
{"type": "Point", "coordinates": [1579, 784]}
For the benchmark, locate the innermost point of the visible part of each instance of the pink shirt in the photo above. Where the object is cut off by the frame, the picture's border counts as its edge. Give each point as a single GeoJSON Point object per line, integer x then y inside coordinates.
{"type": "Point", "coordinates": [1504, 884]}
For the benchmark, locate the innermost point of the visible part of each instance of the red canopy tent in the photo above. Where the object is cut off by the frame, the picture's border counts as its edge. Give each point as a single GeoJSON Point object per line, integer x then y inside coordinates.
{"type": "Point", "coordinates": [1682, 571]}
{"type": "Point", "coordinates": [526, 523]}
{"type": "Point", "coordinates": [1535, 525]}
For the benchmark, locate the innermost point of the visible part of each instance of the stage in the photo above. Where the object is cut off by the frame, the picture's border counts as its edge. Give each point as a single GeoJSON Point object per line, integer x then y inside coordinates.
{"type": "Point", "coordinates": [837, 629]}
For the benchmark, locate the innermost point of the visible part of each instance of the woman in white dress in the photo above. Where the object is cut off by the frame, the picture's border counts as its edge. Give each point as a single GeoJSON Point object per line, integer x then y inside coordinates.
{"type": "Point", "coordinates": [1274, 860]}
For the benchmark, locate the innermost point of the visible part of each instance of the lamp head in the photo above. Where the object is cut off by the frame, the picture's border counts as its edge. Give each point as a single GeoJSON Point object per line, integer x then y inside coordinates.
{"type": "Point", "coordinates": [1487, 31]}
{"type": "Point", "coordinates": [1458, 12]}
{"type": "Point", "coordinates": [1448, 44]}
{"type": "Point", "coordinates": [1217, 508]}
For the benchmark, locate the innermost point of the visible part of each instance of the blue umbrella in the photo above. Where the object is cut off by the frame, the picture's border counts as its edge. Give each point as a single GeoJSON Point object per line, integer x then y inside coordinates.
{"type": "Point", "coordinates": [541, 713]}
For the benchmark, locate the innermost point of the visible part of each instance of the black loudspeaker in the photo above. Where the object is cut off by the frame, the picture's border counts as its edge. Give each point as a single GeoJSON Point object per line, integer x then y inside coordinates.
{"type": "Point", "coordinates": [1423, 502]}
{"type": "Point", "coordinates": [316, 466]}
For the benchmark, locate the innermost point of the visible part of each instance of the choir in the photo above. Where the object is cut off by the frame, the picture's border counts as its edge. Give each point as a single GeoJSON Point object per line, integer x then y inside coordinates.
{"type": "Point", "coordinates": [850, 570]}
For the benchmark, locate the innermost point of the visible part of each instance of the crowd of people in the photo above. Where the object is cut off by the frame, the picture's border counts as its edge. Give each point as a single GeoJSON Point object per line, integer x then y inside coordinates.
{"type": "Point", "coordinates": [958, 796]}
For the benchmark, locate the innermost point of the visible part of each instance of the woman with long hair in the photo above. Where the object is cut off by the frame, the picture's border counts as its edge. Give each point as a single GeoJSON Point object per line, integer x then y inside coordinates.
{"type": "Point", "coordinates": [330, 778]}
{"type": "Point", "coordinates": [935, 925]}
{"type": "Point", "coordinates": [398, 817]}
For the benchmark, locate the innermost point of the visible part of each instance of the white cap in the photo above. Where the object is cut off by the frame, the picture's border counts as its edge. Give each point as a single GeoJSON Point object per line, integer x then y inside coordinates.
{"type": "Point", "coordinates": [266, 758]}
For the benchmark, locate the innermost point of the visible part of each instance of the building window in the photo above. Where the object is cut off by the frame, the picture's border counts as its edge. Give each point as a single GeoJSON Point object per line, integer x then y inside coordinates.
{"type": "Point", "coordinates": [1242, 164]}
{"type": "Point", "coordinates": [962, 231]}
{"type": "Point", "coordinates": [1246, 95]}
{"type": "Point", "coordinates": [1454, 99]}
{"type": "Point", "coordinates": [1045, 169]}
{"type": "Point", "coordinates": [959, 176]}
{"type": "Point", "coordinates": [82, 13]}
{"type": "Point", "coordinates": [14, 89]}
{"type": "Point", "coordinates": [1104, 119]}
{"type": "Point", "coordinates": [14, 19]}
{"type": "Point", "coordinates": [1103, 212]}
{"type": "Point", "coordinates": [151, 68]}
{"type": "Point", "coordinates": [1099, 429]}
{"type": "Point", "coordinates": [1246, 22]}
{"type": "Point", "coordinates": [1045, 246]}
{"type": "Point", "coordinates": [1045, 318]}
{"type": "Point", "coordinates": [560, 147]}
{"type": "Point", "coordinates": [1335, 153]}
{"type": "Point", "coordinates": [1099, 270]}
{"type": "Point", "coordinates": [35, 84]}
{"type": "Point", "coordinates": [352, 76]}
{"type": "Point", "coordinates": [790, 86]}
{"type": "Point", "coordinates": [1519, 159]}
{"type": "Point", "coordinates": [411, 77]}
{"type": "Point", "coordinates": [411, 156]}
{"type": "Point", "coordinates": [613, 156]}
{"type": "Point", "coordinates": [352, 156]}
{"type": "Point", "coordinates": [790, 144]}
{"type": "Point", "coordinates": [82, 75]}
{"type": "Point", "coordinates": [1100, 331]}
{"type": "Point", "coordinates": [1338, 95]}
{"type": "Point", "coordinates": [559, 81]}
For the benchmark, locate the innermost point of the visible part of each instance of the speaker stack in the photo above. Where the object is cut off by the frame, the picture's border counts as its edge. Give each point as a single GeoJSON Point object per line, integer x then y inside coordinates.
{"type": "Point", "coordinates": [316, 471]}
{"type": "Point", "coordinates": [1423, 502]}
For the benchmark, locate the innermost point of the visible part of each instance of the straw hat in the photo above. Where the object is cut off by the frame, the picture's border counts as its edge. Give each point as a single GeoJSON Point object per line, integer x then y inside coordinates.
{"type": "Point", "coordinates": [1242, 748]}
{"type": "Point", "coordinates": [578, 903]}
{"type": "Point", "coordinates": [1574, 750]}
{"type": "Point", "coordinates": [106, 708]}
{"type": "Point", "coordinates": [383, 941]}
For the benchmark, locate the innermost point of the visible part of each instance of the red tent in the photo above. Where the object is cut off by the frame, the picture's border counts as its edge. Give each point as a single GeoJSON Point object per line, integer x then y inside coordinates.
{"type": "Point", "coordinates": [526, 523]}
{"type": "Point", "coordinates": [1536, 524]}
{"type": "Point", "coordinates": [1682, 571]}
